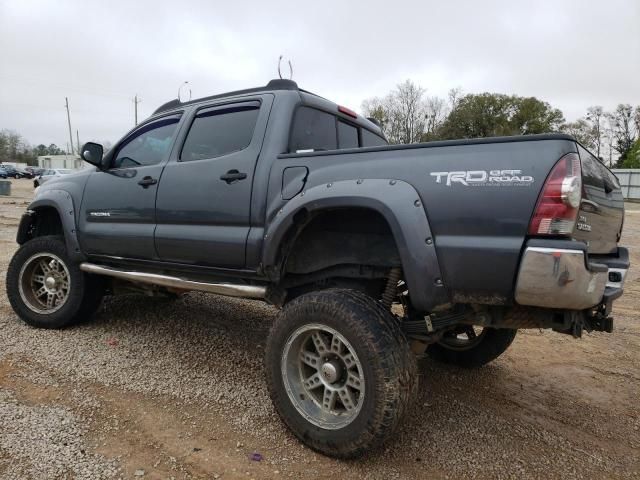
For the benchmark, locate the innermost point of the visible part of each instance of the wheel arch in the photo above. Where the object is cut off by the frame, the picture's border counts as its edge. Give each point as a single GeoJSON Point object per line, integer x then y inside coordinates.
{"type": "Point", "coordinates": [52, 212]}
{"type": "Point", "coordinates": [344, 235]}
{"type": "Point", "coordinates": [397, 202]}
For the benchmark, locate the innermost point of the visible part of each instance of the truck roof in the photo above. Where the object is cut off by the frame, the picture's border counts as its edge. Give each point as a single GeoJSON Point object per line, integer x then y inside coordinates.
{"type": "Point", "coordinates": [275, 85]}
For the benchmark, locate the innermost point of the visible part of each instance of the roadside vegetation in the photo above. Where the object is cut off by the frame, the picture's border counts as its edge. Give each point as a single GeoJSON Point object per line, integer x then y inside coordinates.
{"type": "Point", "coordinates": [409, 115]}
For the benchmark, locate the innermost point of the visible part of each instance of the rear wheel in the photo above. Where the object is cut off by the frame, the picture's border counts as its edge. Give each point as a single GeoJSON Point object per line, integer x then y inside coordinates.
{"type": "Point", "coordinates": [339, 371]}
{"type": "Point", "coordinates": [46, 289]}
{"type": "Point", "coordinates": [468, 346]}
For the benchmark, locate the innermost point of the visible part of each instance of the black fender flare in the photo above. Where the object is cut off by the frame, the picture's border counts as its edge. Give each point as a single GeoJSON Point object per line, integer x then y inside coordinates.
{"type": "Point", "coordinates": [62, 202]}
{"type": "Point", "coordinates": [399, 203]}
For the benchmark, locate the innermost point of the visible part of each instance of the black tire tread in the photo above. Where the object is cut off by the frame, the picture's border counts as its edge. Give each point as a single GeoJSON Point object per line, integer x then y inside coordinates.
{"type": "Point", "coordinates": [85, 296]}
{"type": "Point", "coordinates": [381, 335]}
{"type": "Point", "coordinates": [494, 343]}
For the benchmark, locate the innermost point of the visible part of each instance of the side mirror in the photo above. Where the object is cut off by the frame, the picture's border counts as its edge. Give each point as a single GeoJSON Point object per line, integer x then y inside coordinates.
{"type": "Point", "coordinates": [92, 153]}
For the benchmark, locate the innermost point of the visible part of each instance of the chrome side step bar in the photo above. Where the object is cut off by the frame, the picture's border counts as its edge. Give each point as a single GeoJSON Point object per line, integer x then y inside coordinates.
{"type": "Point", "coordinates": [228, 289]}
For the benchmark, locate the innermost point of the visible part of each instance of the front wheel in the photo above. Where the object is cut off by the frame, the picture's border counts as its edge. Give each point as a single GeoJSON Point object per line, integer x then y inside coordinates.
{"type": "Point", "coordinates": [339, 371]}
{"type": "Point", "coordinates": [46, 289]}
{"type": "Point", "coordinates": [471, 347]}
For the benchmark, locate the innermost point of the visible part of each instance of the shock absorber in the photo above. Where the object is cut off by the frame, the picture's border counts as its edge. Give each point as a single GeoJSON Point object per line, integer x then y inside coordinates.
{"type": "Point", "coordinates": [391, 289]}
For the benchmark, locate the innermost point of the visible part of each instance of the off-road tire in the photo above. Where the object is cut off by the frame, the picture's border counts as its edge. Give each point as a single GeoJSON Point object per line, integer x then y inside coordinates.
{"type": "Point", "coordinates": [389, 369]}
{"type": "Point", "coordinates": [494, 343]}
{"type": "Point", "coordinates": [85, 292]}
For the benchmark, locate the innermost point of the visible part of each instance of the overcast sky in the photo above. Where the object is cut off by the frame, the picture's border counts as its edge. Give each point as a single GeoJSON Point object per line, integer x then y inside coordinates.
{"type": "Point", "coordinates": [100, 54]}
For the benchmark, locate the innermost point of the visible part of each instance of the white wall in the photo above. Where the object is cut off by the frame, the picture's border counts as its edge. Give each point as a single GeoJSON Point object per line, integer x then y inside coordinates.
{"type": "Point", "coordinates": [15, 164]}
{"type": "Point", "coordinates": [629, 181]}
{"type": "Point", "coordinates": [72, 162]}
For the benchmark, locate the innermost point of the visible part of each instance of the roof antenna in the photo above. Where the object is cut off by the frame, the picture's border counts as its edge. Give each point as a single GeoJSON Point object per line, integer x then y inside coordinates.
{"type": "Point", "coordinates": [186, 83]}
{"type": "Point", "coordinates": [290, 68]}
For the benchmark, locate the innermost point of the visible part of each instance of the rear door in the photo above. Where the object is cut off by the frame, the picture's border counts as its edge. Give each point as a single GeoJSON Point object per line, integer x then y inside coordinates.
{"type": "Point", "coordinates": [117, 216]}
{"type": "Point", "coordinates": [602, 207]}
{"type": "Point", "coordinates": [204, 199]}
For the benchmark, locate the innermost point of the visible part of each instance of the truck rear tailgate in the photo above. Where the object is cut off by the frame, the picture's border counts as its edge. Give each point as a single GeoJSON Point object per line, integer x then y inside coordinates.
{"type": "Point", "coordinates": [601, 213]}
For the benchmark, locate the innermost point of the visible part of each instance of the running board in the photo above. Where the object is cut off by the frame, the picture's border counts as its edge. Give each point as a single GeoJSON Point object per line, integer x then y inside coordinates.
{"type": "Point", "coordinates": [228, 289]}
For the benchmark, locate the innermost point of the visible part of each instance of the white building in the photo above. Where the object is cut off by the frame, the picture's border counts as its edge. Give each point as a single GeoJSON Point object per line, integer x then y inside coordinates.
{"type": "Point", "coordinates": [73, 162]}
{"type": "Point", "coordinates": [15, 164]}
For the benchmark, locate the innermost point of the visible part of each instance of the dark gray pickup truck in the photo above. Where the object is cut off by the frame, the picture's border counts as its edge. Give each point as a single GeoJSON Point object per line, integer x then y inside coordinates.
{"type": "Point", "coordinates": [375, 254]}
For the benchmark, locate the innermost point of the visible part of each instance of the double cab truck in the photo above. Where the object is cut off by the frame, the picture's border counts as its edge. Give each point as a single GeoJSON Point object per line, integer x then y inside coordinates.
{"type": "Point", "coordinates": [375, 254]}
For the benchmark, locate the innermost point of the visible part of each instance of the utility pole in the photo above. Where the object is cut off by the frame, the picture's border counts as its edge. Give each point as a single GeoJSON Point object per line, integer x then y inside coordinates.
{"type": "Point", "coordinates": [78, 141]}
{"type": "Point", "coordinates": [136, 101]}
{"type": "Point", "coordinates": [69, 122]}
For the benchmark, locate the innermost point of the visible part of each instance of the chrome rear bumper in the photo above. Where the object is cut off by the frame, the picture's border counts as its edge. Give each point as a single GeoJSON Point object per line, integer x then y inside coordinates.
{"type": "Point", "coordinates": [561, 278]}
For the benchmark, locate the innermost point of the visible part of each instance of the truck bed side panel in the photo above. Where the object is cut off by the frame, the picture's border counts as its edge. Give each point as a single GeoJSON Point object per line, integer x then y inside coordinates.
{"type": "Point", "coordinates": [479, 227]}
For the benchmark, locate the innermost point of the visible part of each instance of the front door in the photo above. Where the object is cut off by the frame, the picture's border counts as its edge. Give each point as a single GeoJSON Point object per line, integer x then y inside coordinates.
{"type": "Point", "coordinates": [117, 216]}
{"type": "Point", "coordinates": [204, 198]}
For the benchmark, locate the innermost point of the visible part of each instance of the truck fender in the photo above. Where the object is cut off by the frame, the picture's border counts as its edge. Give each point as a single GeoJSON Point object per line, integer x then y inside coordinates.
{"type": "Point", "coordinates": [399, 203]}
{"type": "Point", "coordinates": [62, 202]}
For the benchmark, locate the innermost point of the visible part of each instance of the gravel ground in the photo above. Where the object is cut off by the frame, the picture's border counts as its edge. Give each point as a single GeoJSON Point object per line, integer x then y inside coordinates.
{"type": "Point", "coordinates": [174, 389]}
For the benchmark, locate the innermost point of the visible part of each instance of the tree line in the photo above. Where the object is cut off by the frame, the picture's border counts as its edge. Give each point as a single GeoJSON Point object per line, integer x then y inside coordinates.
{"type": "Point", "coordinates": [14, 148]}
{"type": "Point", "coordinates": [408, 115]}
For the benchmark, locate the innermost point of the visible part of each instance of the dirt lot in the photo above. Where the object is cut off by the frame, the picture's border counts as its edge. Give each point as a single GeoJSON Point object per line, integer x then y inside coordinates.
{"type": "Point", "coordinates": [174, 389]}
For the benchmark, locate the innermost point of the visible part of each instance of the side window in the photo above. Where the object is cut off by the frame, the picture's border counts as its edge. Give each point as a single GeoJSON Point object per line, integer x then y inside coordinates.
{"type": "Point", "coordinates": [313, 130]}
{"type": "Point", "coordinates": [347, 135]}
{"type": "Point", "coordinates": [220, 131]}
{"type": "Point", "coordinates": [148, 145]}
{"type": "Point", "coordinates": [370, 139]}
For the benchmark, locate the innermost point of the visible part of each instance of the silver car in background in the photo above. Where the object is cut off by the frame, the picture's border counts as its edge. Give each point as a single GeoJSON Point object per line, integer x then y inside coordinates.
{"type": "Point", "coordinates": [49, 174]}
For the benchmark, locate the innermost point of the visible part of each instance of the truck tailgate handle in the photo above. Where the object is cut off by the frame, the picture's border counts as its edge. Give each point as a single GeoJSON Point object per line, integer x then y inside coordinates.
{"type": "Point", "coordinates": [233, 176]}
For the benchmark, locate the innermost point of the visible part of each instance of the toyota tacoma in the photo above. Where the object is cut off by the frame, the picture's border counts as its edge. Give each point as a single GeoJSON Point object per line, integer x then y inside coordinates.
{"type": "Point", "coordinates": [375, 254]}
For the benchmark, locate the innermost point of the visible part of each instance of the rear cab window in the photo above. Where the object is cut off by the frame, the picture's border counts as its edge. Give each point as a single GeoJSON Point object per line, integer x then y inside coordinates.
{"type": "Point", "coordinates": [315, 130]}
{"type": "Point", "coordinates": [370, 139]}
{"type": "Point", "coordinates": [347, 135]}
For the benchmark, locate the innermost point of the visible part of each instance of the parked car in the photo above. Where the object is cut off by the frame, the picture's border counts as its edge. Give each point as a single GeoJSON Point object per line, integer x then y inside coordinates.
{"type": "Point", "coordinates": [374, 253]}
{"type": "Point", "coordinates": [47, 175]}
{"type": "Point", "coordinates": [25, 173]}
{"type": "Point", "coordinates": [35, 171]}
{"type": "Point", "coordinates": [15, 172]}
{"type": "Point", "coordinates": [3, 173]}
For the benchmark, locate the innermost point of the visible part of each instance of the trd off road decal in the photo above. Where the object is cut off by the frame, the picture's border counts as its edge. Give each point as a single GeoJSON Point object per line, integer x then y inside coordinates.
{"type": "Point", "coordinates": [484, 178]}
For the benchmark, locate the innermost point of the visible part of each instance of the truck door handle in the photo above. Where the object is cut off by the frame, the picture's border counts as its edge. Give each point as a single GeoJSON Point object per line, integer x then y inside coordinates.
{"type": "Point", "coordinates": [147, 181]}
{"type": "Point", "coordinates": [233, 176]}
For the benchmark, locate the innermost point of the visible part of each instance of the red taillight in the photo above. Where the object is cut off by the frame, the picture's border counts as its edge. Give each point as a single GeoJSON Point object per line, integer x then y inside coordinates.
{"type": "Point", "coordinates": [559, 201]}
{"type": "Point", "coordinates": [347, 111]}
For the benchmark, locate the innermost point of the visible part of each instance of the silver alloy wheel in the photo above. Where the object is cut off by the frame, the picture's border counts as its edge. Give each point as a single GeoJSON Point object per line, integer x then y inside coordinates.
{"type": "Point", "coordinates": [463, 337]}
{"type": "Point", "coordinates": [323, 376]}
{"type": "Point", "coordinates": [44, 283]}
